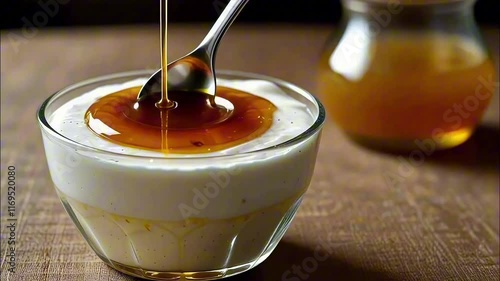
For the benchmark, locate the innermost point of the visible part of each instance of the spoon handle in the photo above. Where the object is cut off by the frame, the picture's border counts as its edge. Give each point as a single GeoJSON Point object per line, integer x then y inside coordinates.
{"type": "Point", "coordinates": [211, 41]}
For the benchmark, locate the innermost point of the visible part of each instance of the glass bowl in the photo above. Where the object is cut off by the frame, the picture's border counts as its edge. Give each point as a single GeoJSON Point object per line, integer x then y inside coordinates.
{"type": "Point", "coordinates": [166, 218]}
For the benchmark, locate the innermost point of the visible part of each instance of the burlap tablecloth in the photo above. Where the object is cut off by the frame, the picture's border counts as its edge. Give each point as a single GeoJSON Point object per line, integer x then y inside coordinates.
{"type": "Point", "coordinates": [441, 223]}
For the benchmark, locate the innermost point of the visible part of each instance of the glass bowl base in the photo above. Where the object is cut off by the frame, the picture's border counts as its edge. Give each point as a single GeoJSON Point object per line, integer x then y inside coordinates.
{"type": "Point", "coordinates": [180, 276]}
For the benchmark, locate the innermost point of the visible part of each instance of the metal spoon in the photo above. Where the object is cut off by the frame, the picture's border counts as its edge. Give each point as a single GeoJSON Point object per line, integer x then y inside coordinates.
{"type": "Point", "coordinates": [195, 71]}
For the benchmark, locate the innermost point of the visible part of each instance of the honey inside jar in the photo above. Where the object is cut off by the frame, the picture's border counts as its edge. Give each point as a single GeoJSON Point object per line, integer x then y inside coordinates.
{"type": "Point", "coordinates": [193, 126]}
{"type": "Point", "coordinates": [405, 88]}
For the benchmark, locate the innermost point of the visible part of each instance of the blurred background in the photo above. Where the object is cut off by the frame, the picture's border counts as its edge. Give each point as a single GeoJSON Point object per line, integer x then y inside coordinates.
{"type": "Point", "coordinates": [124, 12]}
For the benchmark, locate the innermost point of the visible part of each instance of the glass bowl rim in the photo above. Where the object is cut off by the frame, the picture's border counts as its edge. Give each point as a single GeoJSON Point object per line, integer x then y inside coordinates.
{"type": "Point", "coordinates": [313, 129]}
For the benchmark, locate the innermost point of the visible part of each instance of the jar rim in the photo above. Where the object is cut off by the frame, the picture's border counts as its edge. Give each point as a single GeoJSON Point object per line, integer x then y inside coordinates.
{"type": "Point", "coordinates": [410, 2]}
{"type": "Point", "coordinates": [396, 6]}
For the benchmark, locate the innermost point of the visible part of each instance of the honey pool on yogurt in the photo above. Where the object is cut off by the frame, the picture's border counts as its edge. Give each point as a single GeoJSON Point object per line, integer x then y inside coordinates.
{"type": "Point", "coordinates": [191, 127]}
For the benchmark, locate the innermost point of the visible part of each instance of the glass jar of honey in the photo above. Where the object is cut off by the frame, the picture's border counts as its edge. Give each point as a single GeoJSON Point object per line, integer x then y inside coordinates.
{"type": "Point", "coordinates": [407, 74]}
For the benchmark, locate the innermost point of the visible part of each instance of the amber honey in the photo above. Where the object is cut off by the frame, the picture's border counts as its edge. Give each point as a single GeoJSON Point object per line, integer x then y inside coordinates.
{"type": "Point", "coordinates": [193, 126]}
{"type": "Point", "coordinates": [408, 88]}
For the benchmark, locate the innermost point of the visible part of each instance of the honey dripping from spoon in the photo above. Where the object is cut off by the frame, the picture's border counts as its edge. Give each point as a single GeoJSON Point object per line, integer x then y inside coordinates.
{"type": "Point", "coordinates": [179, 121]}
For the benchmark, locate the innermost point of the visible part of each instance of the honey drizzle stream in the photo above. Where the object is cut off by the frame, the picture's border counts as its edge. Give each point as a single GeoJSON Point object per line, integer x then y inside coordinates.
{"type": "Point", "coordinates": [164, 104]}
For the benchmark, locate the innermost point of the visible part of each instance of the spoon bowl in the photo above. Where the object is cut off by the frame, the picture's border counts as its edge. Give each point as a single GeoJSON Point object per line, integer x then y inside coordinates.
{"type": "Point", "coordinates": [187, 74]}
{"type": "Point", "coordinates": [195, 72]}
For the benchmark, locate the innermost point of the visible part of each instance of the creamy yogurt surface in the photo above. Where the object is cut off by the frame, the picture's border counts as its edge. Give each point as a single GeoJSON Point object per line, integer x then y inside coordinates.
{"type": "Point", "coordinates": [290, 119]}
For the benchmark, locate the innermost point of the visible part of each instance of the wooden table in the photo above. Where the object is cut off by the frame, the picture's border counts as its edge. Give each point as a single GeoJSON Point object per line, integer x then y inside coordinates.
{"type": "Point", "coordinates": [440, 224]}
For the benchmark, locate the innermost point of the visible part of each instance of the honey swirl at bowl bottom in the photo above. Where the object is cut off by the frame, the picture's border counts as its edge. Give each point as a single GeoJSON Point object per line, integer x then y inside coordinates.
{"type": "Point", "coordinates": [192, 127]}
